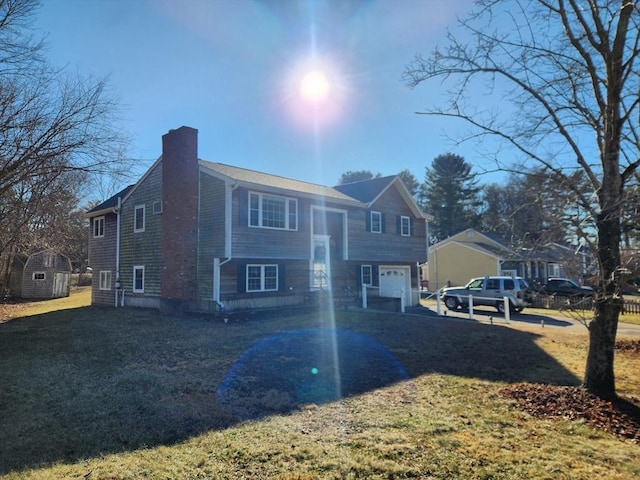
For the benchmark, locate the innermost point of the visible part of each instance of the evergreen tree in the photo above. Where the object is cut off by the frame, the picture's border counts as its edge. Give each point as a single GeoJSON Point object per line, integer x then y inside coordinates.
{"type": "Point", "coordinates": [411, 182]}
{"type": "Point", "coordinates": [451, 195]}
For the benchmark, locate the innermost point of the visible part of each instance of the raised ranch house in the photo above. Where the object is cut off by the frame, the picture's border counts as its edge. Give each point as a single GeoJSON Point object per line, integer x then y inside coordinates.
{"type": "Point", "coordinates": [193, 235]}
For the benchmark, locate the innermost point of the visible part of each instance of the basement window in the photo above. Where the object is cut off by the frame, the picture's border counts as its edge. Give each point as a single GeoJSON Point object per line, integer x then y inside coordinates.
{"type": "Point", "coordinates": [262, 278]}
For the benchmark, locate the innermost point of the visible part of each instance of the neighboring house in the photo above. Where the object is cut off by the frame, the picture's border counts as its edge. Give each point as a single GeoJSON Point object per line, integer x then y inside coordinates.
{"type": "Point", "coordinates": [44, 274]}
{"type": "Point", "coordinates": [204, 236]}
{"type": "Point", "coordinates": [468, 254]}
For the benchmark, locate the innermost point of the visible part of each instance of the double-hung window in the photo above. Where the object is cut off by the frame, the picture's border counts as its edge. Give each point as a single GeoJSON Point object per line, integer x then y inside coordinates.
{"type": "Point", "coordinates": [262, 278]}
{"type": "Point", "coordinates": [138, 219]}
{"type": "Point", "coordinates": [366, 275]}
{"type": "Point", "coordinates": [98, 227]}
{"type": "Point", "coordinates": [105, 280]}
{"type": "Point", "coordinates": [272, 211]}
{"type": "Point", "coordinates": [138, 279]}
{"type": "Point", "coordinates": [405, 226]}
{"type": "Point", "coordinates": [376, 222]}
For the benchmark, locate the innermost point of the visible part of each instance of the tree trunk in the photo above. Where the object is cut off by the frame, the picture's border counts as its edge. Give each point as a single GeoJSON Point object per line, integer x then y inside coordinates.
{"type": "Point", "coordinates": [599, 377]}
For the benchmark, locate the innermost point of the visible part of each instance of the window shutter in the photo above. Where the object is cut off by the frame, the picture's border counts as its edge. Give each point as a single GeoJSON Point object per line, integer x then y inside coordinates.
{"type": "Point", "coordinates": [358, 275]}
{"type": "Point", "coordinates": [382, 223]}
{"type": "Point", "coordinates": [374, 276]}
{"type": "Point", "coordinates": [367, 219]}
{"type": "Point", "coordinates": [242, 278]}
{"type": "Point", "coordinates": [411, 226]}
{"type": "Point", "coordinates": [398, 224]}
{"type": "Point", "coordinates": [282, 278]}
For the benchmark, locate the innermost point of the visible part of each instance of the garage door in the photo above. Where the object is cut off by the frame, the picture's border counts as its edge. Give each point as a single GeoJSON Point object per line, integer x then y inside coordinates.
{"type": "Point", "coordinates": [394, 279]}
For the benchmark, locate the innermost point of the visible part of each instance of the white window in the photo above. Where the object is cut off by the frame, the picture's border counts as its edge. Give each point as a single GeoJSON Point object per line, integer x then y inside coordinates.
{"type": "Point", "coordinates": [376, 222]}
{"type": "Point", "coordinates": [157, 207]}
{"type": "Point", "coordinates": [39, 276]}
{"type": "Point", "coordinates": [405, 226]}
{"type": "Point", "coordinates": [262, 278]}
{"type": "Point", "coordinates": [138, 279]}
{"type": "Point", "coordinates": [105, 280]}
{"type": "Point", "coordinates": [272, 211]}
{"type": "Point", "coordinates": [366, 274]}
{"type": "Point", "coordinates": [98, 227]}
{"type": "Point", "coordinates": [138, 219]}
{"type": "Point", "coordinates": [554, 270]}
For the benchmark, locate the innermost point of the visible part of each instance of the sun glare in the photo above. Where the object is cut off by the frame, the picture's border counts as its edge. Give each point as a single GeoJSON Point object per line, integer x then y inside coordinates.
{"type": "Point", "coordinates": [314, 87]}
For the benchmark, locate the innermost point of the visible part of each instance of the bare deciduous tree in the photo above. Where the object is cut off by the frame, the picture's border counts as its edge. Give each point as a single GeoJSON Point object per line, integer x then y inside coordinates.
{"type": "Point", "coordinates": [557, 82]}
{"type": "Point", "coordinates": [54, 126]}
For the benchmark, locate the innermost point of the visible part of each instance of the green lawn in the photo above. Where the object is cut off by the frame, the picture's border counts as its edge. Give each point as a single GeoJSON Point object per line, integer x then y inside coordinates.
{"type": "Point", "coordinates": [119, 393]}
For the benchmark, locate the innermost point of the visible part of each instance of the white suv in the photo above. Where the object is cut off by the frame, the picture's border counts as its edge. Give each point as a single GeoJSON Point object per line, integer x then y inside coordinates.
{"type": "Point", "coordinates": [489, 291]}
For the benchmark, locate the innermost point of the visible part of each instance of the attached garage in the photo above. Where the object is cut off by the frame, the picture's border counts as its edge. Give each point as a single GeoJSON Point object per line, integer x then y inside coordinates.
{"type": "Point", "coordinates": [394, 281]}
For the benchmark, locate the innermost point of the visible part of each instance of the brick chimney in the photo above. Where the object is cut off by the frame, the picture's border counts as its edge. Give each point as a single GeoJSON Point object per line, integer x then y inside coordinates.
{"type": "Point", "coordinates": [180, 172]}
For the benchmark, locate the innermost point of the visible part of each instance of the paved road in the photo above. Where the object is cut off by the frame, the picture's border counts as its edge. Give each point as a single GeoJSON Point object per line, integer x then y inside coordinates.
{"type": "Point", "coordinates": [489, 315]}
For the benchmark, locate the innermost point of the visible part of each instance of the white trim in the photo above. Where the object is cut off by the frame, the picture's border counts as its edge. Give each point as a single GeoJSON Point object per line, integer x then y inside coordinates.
{"type": "Point", "coordinates": [345, 226]}
{"type": "Point", "coordinates": [135, 268]}
{"type": "Point", "coordinates": [137, 229]}
{"type": "Point", "coordinates": [326, 239]}
{"type": "Point", "coordinates": [371, 213]}
{"type": "Point", "coordinates": [96, 220]}
{"type": "Point", "coordinates": [402, 221]}
{"type": "Point", "coordinates": [106, 276]}
{"type": "Point", "coordinates": [287, 213]}
{"type": "Point", "coordinates": [263, 267]}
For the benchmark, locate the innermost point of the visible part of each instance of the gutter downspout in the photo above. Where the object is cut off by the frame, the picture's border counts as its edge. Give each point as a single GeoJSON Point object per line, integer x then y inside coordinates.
{"type": "Point", "coordinates": [228, 194]}
{"type": "Point", "coordinates": [117, 212]}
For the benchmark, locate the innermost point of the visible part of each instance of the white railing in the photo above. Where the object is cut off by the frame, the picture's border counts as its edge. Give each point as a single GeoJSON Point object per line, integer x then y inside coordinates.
{"type": "Point", "coordinates": [402, 295]}
{"type": "Point", "coordinates": [507, 307]}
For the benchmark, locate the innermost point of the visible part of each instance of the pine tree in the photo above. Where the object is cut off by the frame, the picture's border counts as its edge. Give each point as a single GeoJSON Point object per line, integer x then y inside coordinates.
{"type": "Point", "coordinates": [450, 194]}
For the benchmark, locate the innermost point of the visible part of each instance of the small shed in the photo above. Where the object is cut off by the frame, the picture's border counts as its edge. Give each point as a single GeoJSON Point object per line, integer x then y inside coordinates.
{"type": "Point", "coordinates": [46, 274]}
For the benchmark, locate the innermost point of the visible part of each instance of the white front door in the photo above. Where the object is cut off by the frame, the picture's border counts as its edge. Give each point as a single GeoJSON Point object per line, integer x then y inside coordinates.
{"type": "Point", "coordinates": [320, 263]}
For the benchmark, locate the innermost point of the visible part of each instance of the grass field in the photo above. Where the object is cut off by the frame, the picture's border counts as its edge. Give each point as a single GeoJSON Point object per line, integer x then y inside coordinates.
{"type": "Point", "coordinates": [113, 393]}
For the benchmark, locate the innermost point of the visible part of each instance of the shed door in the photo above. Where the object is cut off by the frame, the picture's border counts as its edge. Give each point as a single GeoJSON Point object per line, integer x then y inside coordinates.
{"type": "Point", "coordinates": [60, 284]}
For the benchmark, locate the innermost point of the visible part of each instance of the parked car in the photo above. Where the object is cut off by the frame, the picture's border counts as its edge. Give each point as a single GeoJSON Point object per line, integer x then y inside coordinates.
{"type": "Point", "coordinates": [490, 291]}
{"type": "Point", "coordinates": [563, 287]}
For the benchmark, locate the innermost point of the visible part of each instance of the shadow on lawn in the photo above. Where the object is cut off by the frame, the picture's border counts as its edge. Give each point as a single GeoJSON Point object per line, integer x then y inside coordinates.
{"type": "Point", "coordinates": [87, 382]}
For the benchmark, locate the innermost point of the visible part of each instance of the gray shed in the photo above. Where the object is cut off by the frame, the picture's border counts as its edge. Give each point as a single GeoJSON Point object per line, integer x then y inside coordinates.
{"type": "Point", "coordinates": [46, 274]}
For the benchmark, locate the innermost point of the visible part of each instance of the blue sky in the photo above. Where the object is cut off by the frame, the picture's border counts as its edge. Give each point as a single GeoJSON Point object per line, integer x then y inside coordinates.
{"type": "Point", "coordinates": [233, 70]}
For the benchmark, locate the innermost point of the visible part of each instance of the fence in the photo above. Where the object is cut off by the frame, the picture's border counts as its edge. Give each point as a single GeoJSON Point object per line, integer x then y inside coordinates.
{"type": "Point", "coordinates": [493, 300]}
{"type": "Point", "coordinates": [631, 307]}
{"type": "Point", "coordinates": [586, 303]}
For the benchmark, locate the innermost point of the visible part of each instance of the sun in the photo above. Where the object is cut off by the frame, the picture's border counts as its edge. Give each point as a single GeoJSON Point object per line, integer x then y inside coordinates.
{"type": "Point", "coordinates": [314, 87]}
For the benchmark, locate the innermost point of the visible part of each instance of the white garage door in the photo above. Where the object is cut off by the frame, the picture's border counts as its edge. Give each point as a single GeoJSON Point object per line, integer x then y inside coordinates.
{"type": "Point", "coordinates": [395, 279]}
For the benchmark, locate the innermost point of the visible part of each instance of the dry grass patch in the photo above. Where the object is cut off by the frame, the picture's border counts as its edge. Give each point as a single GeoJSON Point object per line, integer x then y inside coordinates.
{"type": "Point", "coordinates": [119, 394]}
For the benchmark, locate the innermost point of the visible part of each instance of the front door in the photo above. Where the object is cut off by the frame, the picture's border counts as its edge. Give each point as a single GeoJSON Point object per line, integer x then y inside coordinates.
{"type": "Point", "coordinates": [320, 263]}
